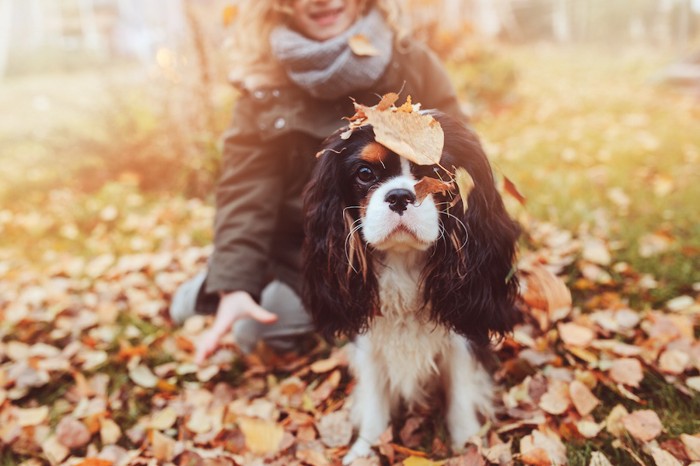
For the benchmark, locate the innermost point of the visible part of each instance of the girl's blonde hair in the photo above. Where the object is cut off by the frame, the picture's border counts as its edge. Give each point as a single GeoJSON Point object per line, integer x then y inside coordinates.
{"type": "Point", "coordinates": [252, 62]}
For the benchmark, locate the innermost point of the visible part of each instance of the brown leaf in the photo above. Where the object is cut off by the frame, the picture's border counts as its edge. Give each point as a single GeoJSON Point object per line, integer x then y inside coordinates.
{"type": "Point", "coordinates": [261, 437]}
{"type": "Point", "coordinates": [575, 335]}
{"type": "Point", "coordinates": [547, 291]}
{"type": "Point", "coordinates": [499, 453]}
{"type": "Point", "coordinates": [556, 400]}
{"type": "Point", "coordinates": [627, 371]}
{"type": "Point", "coordinates": [312, 457]}
{"type": "Point", "coordinates": [644, 425]}
{"type": "Point", "coordinates": [362, 47]}
{"type": "Point", "coordinates": [465, 184]}
{"type": "Point", "coordinates": [72, 433]}
{"type": "Point", "coordinates": [162, 446]}
{"type": "Point", "coordinates": [54, 450]}
{"type": "Point", "coordinates": [599, 459]}
{"type": "Point", "coordinates": [323, 391]}
{"type": "Point", "coordinates": [583, 399]}
{"type": "Point", "coordinates": [588, 429]}
{"type": "Point", "coordinates": [510, 188]}
{"type": "Point", "coordinates": [613, 423]}
{"type": "Point", "coordinates": [387, 101]}
{"type": "Point", "coordinates": [542, 449]}
{"type": "Point", "coordinates": [110, 432]}
{"type": "Point", "coordinates": [414, 136]}
{"type": "Point", "coordinates": [32, 416]}
{"type": "Point", "coordinates": [335, 429]}
{"type": "Point", "coordinates": [95, 462]}
{"type": "Point", "coordinates": [428, 185]}
{"type": "Point", "coordinates": [664, 458]}
{"type": "Point", "coordinates": [692, 446]}
{"type": "Point", "coordinates": [674, 361]}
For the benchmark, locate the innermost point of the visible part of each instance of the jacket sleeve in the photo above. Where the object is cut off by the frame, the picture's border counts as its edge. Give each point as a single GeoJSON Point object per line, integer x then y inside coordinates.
{"type": "Point", "coordinates": [247, 203]}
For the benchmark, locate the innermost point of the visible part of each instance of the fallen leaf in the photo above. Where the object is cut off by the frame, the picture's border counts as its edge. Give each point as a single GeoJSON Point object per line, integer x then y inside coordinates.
{"type": "Point", "coordinates": [54, 450]}
{"type": "Point", "coordinates": [95, 462]}
{"type": "Point", "coordinates": [465, 185]}
{"type": "Point", "coordinates": [420, 461]}
{"type": "Point", "coordinates": [362, 47]}
{"type": "Point", "coordinates": [261, 437]}
{"type": "Point", "coordinates": [599, 459]}
{"type": "Point", "coordinates": [547, 291]}
{"type": "Point", "coordinates": [627, 371]}
{"type": "Point", "coordinates": [644, 425]}
{"type": "Point", "coordinates": [32, 416]}
{"type": "Point", "coordinates": [589, 429]}
{"type": "Point", "coordinates": [110, 432]}
{"type": "Point", "coordinates": [596, 251]}
{"type": "Point", "coordinates": [674, 361]}
{"type": "Point", "coordinates": [335, 429]}
{"type": "Point", "coordinates": [428, 185]}
{"type": "Point", "coordinates": [556, 400]}
{"type": "Point", "coordinates": [72, 433]}
{"type": "Point", "coordinates": [583, 399]}
{"type": "Point", "coordinates": [613, 423]}
{"type": "Point", "coordinates": [575, 335]}
{"type": "Point", "coordinates": [142, 376]}
{"type": "Point", "coordinates": [163, 447]}
{"type": "Point", "coordinates": [312, 457]}
{"type": "Point", "coordinates": [163, 419]}
{"type": "Point", "coordinates": [500, 453]}
{"type": "Point", "coordinates": [694, 383]}
{"type": "Point", "coordinates": [692, 446]}
{"type": "Point", "coordinates": [664, 458]}
{"type": "Point", "coordinates": [542, 449]}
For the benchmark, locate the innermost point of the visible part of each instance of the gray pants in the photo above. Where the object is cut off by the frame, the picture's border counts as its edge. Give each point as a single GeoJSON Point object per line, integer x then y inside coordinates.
{"type": "Point", "coordinates": [292, 320]}
{"type": "Point", "coordinates": [277, 297]}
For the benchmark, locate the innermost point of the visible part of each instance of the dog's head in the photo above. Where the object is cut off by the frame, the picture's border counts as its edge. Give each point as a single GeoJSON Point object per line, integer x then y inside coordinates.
{"type": "Point", "coordinates": [362, 201]}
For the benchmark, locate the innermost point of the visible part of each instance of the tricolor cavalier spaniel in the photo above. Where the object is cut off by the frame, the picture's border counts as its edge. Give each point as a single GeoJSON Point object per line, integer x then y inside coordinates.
{"type": "Point", "coordinates": [417, 286]}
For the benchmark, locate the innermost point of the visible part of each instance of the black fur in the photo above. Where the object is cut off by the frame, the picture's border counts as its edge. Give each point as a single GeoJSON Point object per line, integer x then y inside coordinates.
{"type": "Point", "coordinates": [470, 286]}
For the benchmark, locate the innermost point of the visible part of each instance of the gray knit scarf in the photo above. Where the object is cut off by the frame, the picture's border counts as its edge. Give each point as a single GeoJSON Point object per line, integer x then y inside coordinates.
{"type": "Point", "coordinates": [329, 69]}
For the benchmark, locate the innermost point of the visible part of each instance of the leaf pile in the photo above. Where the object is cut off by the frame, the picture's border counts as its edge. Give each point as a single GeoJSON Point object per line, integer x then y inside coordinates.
{"type": "Point", "coordinates": [93, 373]}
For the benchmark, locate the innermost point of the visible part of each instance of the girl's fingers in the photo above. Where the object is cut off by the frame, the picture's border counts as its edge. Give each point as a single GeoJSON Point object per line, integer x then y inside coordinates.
{"type": "Point", "coordinates": [260, 314]}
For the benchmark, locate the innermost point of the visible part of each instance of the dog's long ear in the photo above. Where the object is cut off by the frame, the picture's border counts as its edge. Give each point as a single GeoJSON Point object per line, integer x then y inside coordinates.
{"type": "Point", "coordinates": [339, 290]}
{"type": "Point", "coordinates": [469, 280]}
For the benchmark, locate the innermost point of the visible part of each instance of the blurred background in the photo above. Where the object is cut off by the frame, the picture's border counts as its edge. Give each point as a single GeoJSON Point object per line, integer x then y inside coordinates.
{"type": "Point", "coordinates": [112, 112]}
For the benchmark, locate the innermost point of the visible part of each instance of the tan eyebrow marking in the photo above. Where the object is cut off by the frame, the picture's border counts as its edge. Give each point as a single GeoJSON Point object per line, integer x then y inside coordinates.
{"type": "Point", "coordinates": [374, 153]}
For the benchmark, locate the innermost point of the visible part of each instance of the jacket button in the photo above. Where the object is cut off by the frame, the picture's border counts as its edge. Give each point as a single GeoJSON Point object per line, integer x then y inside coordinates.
{"type": "Point", "coordinates": [275, 93]}
{"type": "Point", "coordinates": [280, 123]}
{"type": "Point", "coordinates": [259, 94]}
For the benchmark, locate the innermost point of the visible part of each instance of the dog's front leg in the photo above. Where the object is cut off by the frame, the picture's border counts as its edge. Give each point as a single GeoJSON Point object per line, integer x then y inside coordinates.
{"type": "Point", "coordinates": [469, 390]}
{"type": "Point", "coordinates": [371, 408]}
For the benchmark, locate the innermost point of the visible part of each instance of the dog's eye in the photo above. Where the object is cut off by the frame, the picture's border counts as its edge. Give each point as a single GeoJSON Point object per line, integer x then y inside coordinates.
{"type": "Point", "coordinates": [365, 174]}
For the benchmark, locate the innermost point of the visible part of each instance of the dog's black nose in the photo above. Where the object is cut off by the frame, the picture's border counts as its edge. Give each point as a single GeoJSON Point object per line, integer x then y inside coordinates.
{"type": "Point", "coordinates": [399, 199]}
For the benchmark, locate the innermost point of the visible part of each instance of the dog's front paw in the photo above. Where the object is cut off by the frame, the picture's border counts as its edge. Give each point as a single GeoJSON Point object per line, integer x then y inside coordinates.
{"type": "Point", "coordinates": [360, 449]}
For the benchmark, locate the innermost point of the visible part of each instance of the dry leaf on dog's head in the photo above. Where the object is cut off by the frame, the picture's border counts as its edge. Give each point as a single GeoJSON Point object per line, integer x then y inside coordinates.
{"type": "Point", "coordinates": [428, 186]}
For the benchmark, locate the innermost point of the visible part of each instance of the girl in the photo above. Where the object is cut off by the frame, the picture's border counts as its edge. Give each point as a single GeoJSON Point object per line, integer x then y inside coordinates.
{"type": "Point", "coordinates": [297, 73]}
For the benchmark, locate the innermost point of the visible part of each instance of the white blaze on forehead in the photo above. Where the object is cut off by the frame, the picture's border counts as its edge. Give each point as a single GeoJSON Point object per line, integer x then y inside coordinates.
{"type": "Point", "coordinates": [380, 223]}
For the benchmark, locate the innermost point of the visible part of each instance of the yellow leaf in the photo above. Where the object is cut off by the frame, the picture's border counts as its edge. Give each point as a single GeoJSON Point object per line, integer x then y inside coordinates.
{"type": "Point", "coordinates": [414, 136]}
{"type": "Point", "coordinates": [261, 437]}
{"type": "Point", "coordinates": [229, 14]}
{"type": "Point", "coordinates": [418, 461]}
{"type": "Point", "coordinates": [362, 47]}
{"type": "Point", "coordinates": [465, 184]}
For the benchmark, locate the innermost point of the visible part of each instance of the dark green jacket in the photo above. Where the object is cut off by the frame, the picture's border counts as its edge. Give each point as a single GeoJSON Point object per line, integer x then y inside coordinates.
{"type": "Point", "coordinates": [269, 152]}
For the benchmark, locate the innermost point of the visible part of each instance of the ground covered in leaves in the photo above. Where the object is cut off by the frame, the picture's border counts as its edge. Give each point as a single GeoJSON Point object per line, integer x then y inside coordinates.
{"type": "Point", "coordinates": [605, 370]}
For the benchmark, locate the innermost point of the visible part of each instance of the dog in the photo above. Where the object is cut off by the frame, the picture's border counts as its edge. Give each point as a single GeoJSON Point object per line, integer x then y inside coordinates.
{"type": "Point", "coordinates": [417, 285]}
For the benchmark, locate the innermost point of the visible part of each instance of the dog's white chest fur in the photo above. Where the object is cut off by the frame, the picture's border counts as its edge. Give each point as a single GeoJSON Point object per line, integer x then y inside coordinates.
{"type": "Point", "coordinates": [403, 355]}
{"type": "Point", "coordinates": [404, 343]}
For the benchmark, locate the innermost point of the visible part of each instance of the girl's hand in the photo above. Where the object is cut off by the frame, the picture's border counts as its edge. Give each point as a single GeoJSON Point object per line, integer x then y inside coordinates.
{"type": "Point", "coordinates": [232, 307]}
